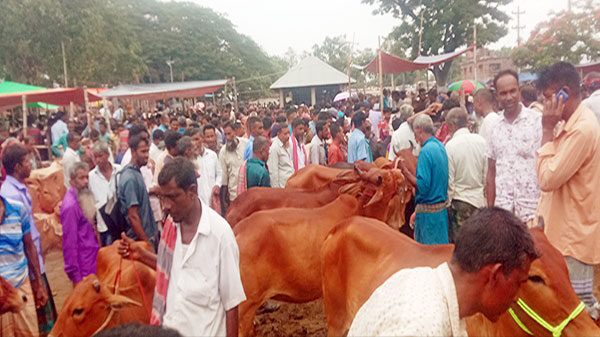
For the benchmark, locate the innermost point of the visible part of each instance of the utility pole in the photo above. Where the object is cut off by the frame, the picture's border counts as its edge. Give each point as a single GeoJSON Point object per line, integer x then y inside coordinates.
{"type": "Point", "coordinates": [62, 46]}
{"type": "Point", "coordinates": [169, 63]}
{"type": "Point", "coordinates": [569, 5]}
{"type": "Point", "coordinates": [475, 52]}
{"type": "Point", "coordinates": [518, 13]}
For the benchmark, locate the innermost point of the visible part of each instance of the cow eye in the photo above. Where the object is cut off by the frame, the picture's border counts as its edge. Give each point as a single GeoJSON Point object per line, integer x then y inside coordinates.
{"type": "Point", "coordinates": [77, 312]}
{"type": "Point", "coordinates": [536, 279]}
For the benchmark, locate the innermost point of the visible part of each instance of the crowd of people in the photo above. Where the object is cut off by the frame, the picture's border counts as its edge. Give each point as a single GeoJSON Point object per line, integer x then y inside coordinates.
{"type": "Point", "coordinates": [171, 174]}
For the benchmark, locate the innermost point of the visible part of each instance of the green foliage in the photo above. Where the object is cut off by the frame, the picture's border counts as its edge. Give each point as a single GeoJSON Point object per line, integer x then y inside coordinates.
{"type": "Point", "coordinates": [566, 36]}
{"type": "Point", "coordinates": [113, 41]}
{"type": "Point", "coordinates": [447, 26]}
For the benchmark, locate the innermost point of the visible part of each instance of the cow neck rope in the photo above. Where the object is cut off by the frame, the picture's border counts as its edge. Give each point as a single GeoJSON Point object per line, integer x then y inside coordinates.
{"type": "Point", "coordinates": [116, 286]}
{"type": "Point", "coordinates": [555, 330]}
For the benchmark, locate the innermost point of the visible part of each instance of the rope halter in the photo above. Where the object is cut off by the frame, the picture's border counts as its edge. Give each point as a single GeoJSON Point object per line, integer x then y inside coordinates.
{"type": "Point", "coordinates": [555, 330]}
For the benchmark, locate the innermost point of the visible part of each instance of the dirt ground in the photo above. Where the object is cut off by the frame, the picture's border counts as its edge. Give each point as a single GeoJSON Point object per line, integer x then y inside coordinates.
{"type": "Point", "coordinates": [297, 320]}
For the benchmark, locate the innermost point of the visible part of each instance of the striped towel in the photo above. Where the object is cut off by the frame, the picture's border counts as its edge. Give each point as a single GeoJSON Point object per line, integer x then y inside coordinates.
{"type": "Point", "coordinates": [163, 270]}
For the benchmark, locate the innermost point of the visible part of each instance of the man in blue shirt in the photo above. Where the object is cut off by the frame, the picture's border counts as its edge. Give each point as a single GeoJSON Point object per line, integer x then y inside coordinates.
{"type": "Point", "coordinates": [431, 182]}
{"type": "Point", "coordinates": [358, 147]}
{"type": "Point", "coordinates": [256, 129]}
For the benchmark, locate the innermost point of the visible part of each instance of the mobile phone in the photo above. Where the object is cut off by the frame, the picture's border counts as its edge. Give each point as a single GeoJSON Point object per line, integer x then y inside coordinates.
{"type": "Point", "coordinates": [563, 94]}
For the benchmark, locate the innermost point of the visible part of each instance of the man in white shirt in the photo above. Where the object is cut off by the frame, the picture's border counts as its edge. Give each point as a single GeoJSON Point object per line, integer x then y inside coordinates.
{"type": "Point", "coordinates": [467, 170]}
{"type": "Point", "coordinates": [209, 168]}
{"type": "Point", "coordinates": [491, 259]}
{"type": "Point", "coordinates": [592, 81]}
{"type": "Point", "coordinates": [231, 157]}
{"type": "Point", "coordinates": [404, 137]}
{"type": "Point", "coordinates": [118, 114]}
{"type": "Point", "coordinates": [483, 105]}
{"type": "Point", "coordinates": [318, 145]}
{"type": "Point", "coordinates": [296, 148]}
{"type": "Point", "coordinates": [71, 156]}
{"type": "Point", "coordinates": [59, 127]}
{"type": "Point", "coordinates": [203, 282]}
{"type": "Point", "coordinates": [158, 136]}
{"type": "Point", "coordinates": [102, 182]}
{"type": "Point", "coordinates": [280, 163]}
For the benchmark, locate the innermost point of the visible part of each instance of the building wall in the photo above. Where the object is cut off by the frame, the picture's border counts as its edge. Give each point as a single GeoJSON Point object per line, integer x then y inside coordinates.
{"type": "Point", "coordinates": [488, 65]}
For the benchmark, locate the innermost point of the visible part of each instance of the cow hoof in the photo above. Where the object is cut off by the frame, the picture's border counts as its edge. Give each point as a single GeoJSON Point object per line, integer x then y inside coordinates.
{"type": "Point", "coordinates": [267, 308]}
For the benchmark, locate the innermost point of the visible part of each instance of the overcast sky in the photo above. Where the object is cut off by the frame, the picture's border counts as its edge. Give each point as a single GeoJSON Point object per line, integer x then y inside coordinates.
{"type": "Point", "coordinates": [277, 25]}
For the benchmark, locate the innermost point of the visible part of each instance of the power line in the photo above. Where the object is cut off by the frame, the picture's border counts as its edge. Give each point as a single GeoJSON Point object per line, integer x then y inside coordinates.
{"type": "Point", "coordinates": [261, 76]}
{"type": "Point", "coordinates": [518, 13]}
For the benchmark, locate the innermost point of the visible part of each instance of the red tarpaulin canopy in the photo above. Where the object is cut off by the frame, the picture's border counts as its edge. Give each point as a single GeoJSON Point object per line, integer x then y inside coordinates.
{"type": "Point", "coordinates": [392, 64]}
{"type": "Point", "coordinates": [58, 96]}
{"type": "Point", "coordinates": [588, 68]}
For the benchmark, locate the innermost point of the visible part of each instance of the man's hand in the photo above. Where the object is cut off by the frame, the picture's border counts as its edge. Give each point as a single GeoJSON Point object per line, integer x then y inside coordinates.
{"type": "Point", "coordinates": [216, 191]}
{"type": "Point", "coordinates": [433, 109]}
{"type": "Point", "coordinates": [552, 112]}
{"type": "Point", "coordinates": [41, 296]}
{"type": "Point", "coordinates": [128, 247]}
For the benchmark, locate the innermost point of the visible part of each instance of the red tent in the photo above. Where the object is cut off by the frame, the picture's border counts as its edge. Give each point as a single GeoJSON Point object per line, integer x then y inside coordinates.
{"type": "Point", "coordinates": [392, 64]}
{"type": "Point", "coordinates": [588, 68]}
{"type": "Point", "coordinates": [57, 96]}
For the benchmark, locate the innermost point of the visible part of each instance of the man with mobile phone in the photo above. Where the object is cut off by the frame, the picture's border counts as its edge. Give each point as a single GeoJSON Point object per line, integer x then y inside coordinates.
{"type": "Point", "coordinates": [568, 170]}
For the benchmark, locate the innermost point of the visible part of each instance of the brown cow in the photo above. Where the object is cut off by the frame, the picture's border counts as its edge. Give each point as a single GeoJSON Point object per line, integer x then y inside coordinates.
{"type": "Point", "coordinates": [11, 299]}
{"type": "Point", "coordinates": [361, 253]}
{"type": "Point", "coordinates": [87, 309]}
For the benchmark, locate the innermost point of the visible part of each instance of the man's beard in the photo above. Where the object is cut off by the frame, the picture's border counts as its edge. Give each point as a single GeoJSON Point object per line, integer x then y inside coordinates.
{"type": "Point", "coordinates": [231, 145]}
{"type": "Point", "coordinates": [86, 200]}
{"type": "Point", "coordinates": [300, 139]}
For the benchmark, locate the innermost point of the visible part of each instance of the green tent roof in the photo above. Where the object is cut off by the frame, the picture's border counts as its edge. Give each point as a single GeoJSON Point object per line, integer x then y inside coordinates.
{"type": "Point", "coordinates": [8, 87]}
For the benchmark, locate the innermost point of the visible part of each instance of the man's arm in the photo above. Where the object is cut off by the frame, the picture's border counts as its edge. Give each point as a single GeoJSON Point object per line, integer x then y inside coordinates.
{"type": "Point", "coordinates": [129, 247]}
{"type": "Point", "coordinates": [231, 322]}
{"type": "Point", "coordinates": [272, 163]}
{"type": "Point", "coordinates": [41, 297]}
{"type": "Point", "coordinates": [136, 223]}
{"type": "Point", "coordinates": [68, 218]}
{"type": "Point", "coordinates": [490, 186]}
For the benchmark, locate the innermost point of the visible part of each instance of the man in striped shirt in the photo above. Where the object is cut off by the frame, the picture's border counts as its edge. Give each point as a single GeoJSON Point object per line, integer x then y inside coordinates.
{"type": "Point", "coordinates": [18, 256]}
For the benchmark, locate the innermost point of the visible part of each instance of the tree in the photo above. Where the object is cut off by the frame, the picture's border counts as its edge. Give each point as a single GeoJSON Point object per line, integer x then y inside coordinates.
{"type": "Point", "coordinates": [566, 36]}
{"type": "Point", "coordinates": [447, 26]}
{"type": "Point", "coordinates": [334, 51]}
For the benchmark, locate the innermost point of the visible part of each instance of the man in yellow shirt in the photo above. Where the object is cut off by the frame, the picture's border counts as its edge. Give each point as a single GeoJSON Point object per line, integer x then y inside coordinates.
{"type": "Point", "coordinates": [568, 170]}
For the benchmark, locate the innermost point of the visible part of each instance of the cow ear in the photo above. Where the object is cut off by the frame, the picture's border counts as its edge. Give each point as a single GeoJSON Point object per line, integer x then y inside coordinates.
{"type": "Point", "coordinates": [117, 302]}
{"type": "Point", "coordinates": [541, 223]}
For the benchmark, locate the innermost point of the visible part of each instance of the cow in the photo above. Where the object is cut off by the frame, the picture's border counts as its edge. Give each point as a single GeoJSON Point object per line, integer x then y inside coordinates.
{"type": "Point", "coordinates": [93, 305]}
{"type": "Point", "coordinates": [46, 187]}
{"type": "Point", "coordinates": [312, 177]}
{"type": "Point", "coordinates": [360, 254]}
{"type": "Point", "coordinates": [280, 248]}
{"type": "Point", "coordinates": [11, 299]}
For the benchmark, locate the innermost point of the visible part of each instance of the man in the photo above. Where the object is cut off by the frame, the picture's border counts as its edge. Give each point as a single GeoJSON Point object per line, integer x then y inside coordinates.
{"type": "Point", "coordinates": [256, 129]}
{"type": "Point", "coordinates": [296, 147]}
{"type": "Point", "coordinates": [467, 169]}
{"type": "Point", "coordinates": [77, 213]}
{"type": "Point", "coordinates": [17, 164]}
{"type": "Point", "coordinates": [491, 259]}
{"type": "Point", "coordinates": [358, 148]}
{"type": "Point", "coordinates": [60, 145]}
{"type": "Point", "coordinates": [18, 258]}
{"type": "Point", "coordinates": [483, 105]}
{"type": "Point", "coordinates": [104, 133]}
{"type": "Point", "coordinates": [135, 129]}
{"type": "Point", "coordinates": [530, 98]}
{"type": "Point", "coordinates": [280, 163]}
{"type": "Point", "coordinates": [209, 182]}
{"type": "Point", "coordinates": [102, 181]}
{"type": "Point", "coordinates": [118, 114]}
{"type": "Point", "coordinates": [404, 137]}
{"type": "Point", "coordinates": [174, 124]}
{"type": "Point", "coordinates": [431, 182]}
{"type": "Point", "coordinates": [71, 156]}
{"type": "Point", "coordinates": [318, 144]}
{"type": "Point", "coordinates": [592, 82]}
{"type": "Point", "coordinates": [171, 138]}
{"type": "Point", "coordinates": [198, 259]}
{"type": "Point", "coordinates": [158, 141]}
{"type": "Point", "coordinates": [375, 117]}
{"type": "Point", "coordinates": [133, 196]}
{"type": "Point", "coordinates": [164, 122]}
{"type": "Point", "coordinates": [396, 100]}
{"type": "Point", "coordinates": [210, 138]}
{"type": "Point", "coordinates": [512, 145]}
{"type": "Point", "coordinates": [336, 154]}
{"type": "Point", "coordinates": [568, 171]}
{"type": "Point", "coordinates": [59, 127]}
{"type": "Point", "coordinates": [231, 158]}
{"type": "Point", "coordinates": [256, 170]}
{"type": "Point", "coordinates": [229, 112]}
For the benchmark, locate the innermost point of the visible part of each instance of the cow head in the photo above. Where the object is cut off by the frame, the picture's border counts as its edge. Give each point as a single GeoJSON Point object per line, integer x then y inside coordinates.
{"type": "Point", "coordinates": [11, 299]}
{"type": "Point", "coordinates": [46, 187]}
{"type": "Point", "coordinates": [87, 308]}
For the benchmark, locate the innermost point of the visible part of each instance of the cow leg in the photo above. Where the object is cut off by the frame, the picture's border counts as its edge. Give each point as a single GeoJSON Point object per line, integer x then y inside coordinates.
{"type": "Point", "coordinates": [247, 312]}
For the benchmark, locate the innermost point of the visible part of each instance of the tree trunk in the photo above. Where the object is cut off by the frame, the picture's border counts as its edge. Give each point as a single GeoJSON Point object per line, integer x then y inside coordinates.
{"type": "Point", "coordinates": [441, 73]}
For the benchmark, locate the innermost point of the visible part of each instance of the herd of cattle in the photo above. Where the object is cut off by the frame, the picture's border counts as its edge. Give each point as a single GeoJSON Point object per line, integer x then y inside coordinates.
{"type": "Point", "coordinates": [331, 233]}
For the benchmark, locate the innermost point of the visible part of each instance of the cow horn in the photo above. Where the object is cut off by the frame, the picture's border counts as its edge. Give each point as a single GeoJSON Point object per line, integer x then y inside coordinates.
{"type": "Point", "coordinates": [371, 178]}
{"type": "Point", "coordinates": [96, 285]}
{"type": "Point", "coordinates": [118, 301]}
{"type": "Point", "coordinates": [376, 198]}
{"type": "Point", "coordinates": [541, 222]}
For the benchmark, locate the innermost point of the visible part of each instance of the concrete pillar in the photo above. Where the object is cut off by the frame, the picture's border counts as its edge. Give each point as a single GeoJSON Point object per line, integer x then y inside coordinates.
{"type": "Point", "coordinates": [313, 96]}
{"type": "Point", "coordinates": [281, 99]}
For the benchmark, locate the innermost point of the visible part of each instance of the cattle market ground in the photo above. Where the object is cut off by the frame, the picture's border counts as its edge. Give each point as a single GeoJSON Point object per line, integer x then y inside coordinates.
{"type": "Point", "coordinates": [290, 320]}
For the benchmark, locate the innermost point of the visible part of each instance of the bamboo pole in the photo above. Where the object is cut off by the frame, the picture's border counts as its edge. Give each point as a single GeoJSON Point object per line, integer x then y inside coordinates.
{"type": "Point", "coordinates": [87, 107]}
{"type": "Point", "coordinates": [475, 52]}
{"type": "Point", "coordinates": [24, 100]}
{"type": "Point", "coordinates": [235, 98]}
{"type": "Point", "coordinates": [380, 77]}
